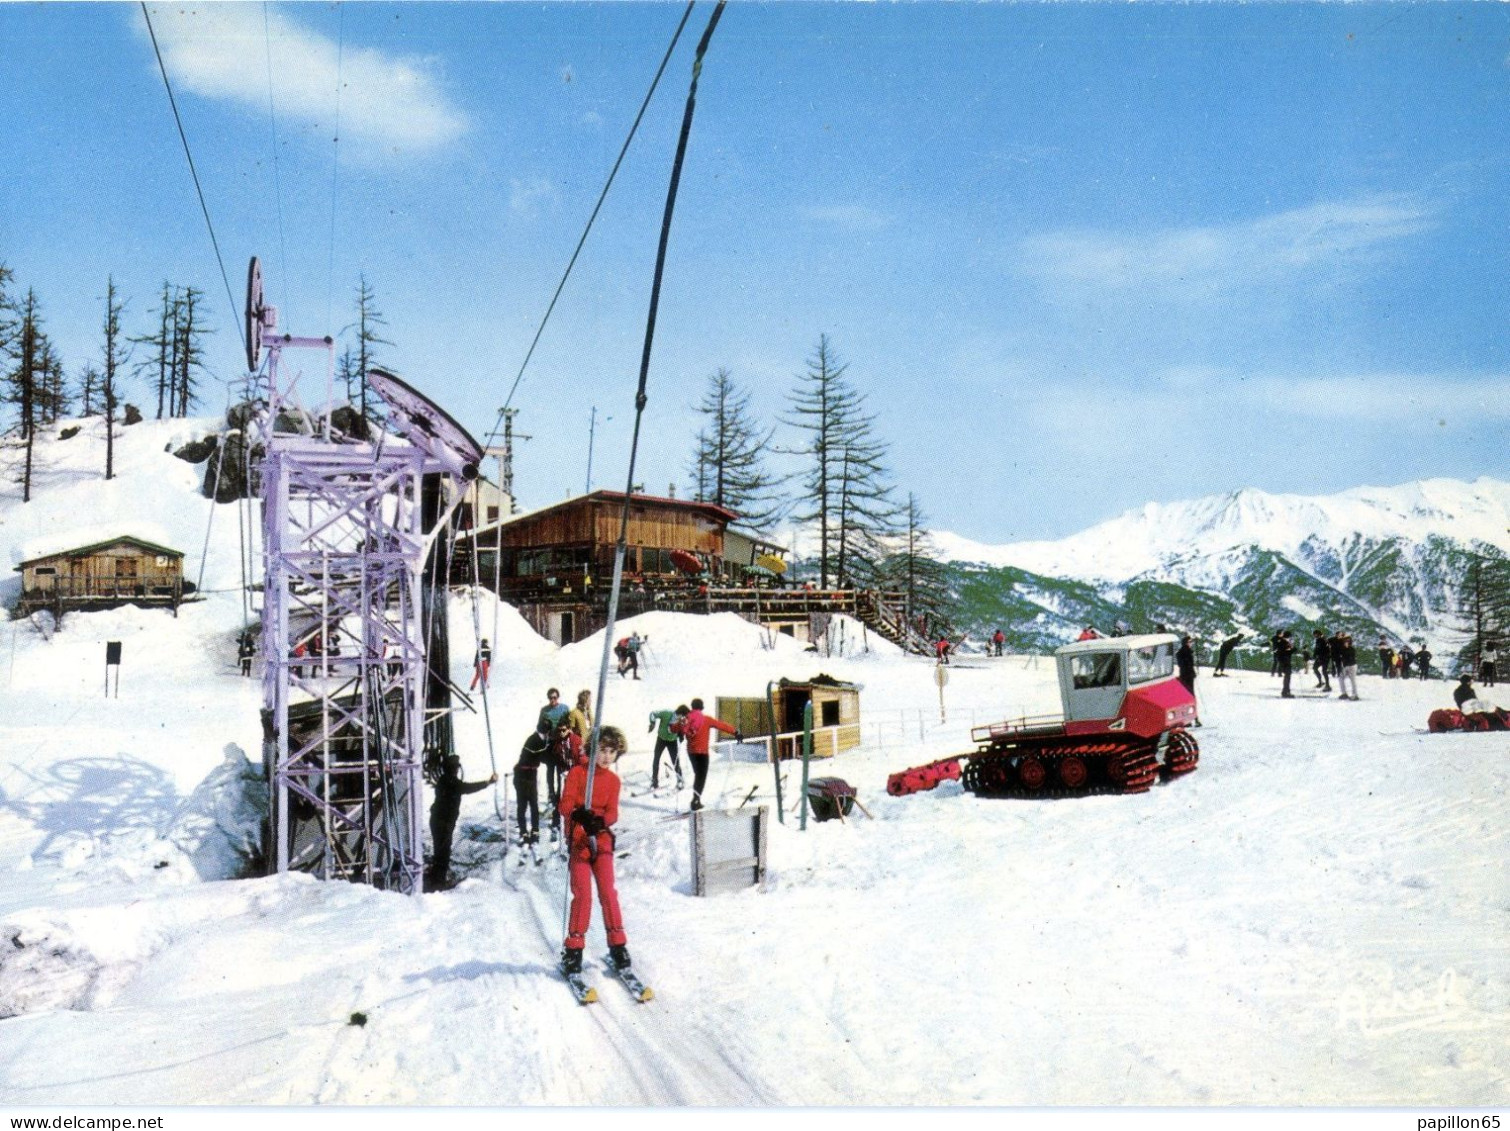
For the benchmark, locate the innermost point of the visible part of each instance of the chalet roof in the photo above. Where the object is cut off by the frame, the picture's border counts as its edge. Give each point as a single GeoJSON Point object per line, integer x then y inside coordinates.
{"type": "Point", "coordinates": [712, 510]}
{"type": "Point", "coordinates": [75, 551]}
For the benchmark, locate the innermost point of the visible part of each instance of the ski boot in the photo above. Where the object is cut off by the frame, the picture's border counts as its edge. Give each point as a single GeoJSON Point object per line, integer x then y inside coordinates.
{"type": "Point", "coordinates": [571, 961]}
{"type": "Point", "coordinates": [618, 957]}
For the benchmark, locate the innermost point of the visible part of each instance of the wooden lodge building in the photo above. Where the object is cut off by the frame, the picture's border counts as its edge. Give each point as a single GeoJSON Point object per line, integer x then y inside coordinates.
{"type": "Point", "coordinates": [114, 572]}
{"type": "Point", "coordinates": [555, 565]}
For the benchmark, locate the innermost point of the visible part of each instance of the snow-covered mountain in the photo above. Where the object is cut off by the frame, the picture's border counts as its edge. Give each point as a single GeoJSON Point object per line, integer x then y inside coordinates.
{"type": "Point", "coordinates": [1376, 559]}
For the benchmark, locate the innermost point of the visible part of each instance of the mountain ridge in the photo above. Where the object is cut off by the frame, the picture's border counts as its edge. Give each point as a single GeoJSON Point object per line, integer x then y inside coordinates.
{"type": "Point", "coordinates": [1373, 560]}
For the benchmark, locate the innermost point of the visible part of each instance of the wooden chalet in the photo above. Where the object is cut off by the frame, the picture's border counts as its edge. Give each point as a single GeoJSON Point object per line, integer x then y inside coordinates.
{"type": "Point", "coordinates": [117, 571]}
{"type": "Point", "coordinates": [555, 565]}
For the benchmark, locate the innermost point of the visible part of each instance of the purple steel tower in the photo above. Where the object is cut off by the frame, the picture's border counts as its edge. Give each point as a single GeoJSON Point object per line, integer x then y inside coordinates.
{"type": "Point", "coordinates": [344, 638]}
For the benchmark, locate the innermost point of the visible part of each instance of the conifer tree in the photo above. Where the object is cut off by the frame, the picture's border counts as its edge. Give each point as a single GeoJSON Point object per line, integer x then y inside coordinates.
{"type": "Point", "coordinates": [846, 492]}
{"type": "Point", "coordinates": [369, 321]}
{"type": "Point", "coordinates": [914, 570]}
{"type": "Point", "coordinates": [114, 363]}
{"type": "Point", "coordinates": [728, 465]}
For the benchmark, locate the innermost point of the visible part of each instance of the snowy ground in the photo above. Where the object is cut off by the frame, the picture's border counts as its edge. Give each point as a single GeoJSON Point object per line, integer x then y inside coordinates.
{"type": "Point", "coordinates": [1317, 916]}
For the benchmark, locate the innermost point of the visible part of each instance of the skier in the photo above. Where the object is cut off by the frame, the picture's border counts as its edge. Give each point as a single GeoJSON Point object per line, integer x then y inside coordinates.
{"type": "Point", "coordinates": [1346, 656]}
{"type": "Point", "coordinates": [1226, 650]}
{"type": "Point", "coordinates": [480, 664]}
{"type": "Point", "coordinates": [552, 713]}
{"type": "Point", "coordinates": [1423, 662]}
{"type": "Point", "coordinates": [590, 853]}
{"type": "Point", "coordinates": [527, 784]}
{"type": "Point", "coordinates": [942, 649]}
{"type": "Point", "coordinates": [628, 652]}
{"type": "Point", "coordinates": [246, 648]}
{"type": "Point", "coordinates": [998, 638]}
{"type": "Point", "coordinates": [1464, 691]}
{"type": "Point", "coordinates": [1406, 657]}
{"type": "Point", "coordinates": [581, 715]}
{"type": "Point", "coordinates": [1090, 633]}
{"type": "Point", "coordinates": [1274, 648]}
{"type": "Point", "coordinates": [1322, 652]}
{"type": "Point", "coordinates": [1487, 658]}
{"type": "Point", "coordinates": [663, 723]}
{"type": "Point", "coordinates": [449, 790]}
{"type": "Point", "coordinates": [1284, 651]}
{"type": "Point", "coordinates": [694, 727]}
{"type": "Point", "coordinates": [565, 752]}
{"type": "Point", "coordinates": [1386, 659]}
{"type": "Point", "coordinates": [1184, 659]}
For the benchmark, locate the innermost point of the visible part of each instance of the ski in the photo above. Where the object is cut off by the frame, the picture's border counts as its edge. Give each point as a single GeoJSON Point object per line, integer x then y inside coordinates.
{"type": "Point", "coordinates": [638, 989]}
{"type": "Point", "coordinates": [584, 993]}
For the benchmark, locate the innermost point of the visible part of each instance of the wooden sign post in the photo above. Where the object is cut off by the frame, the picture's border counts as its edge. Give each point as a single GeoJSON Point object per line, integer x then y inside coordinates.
{"type": "Point", "coordinates": [113, 660]}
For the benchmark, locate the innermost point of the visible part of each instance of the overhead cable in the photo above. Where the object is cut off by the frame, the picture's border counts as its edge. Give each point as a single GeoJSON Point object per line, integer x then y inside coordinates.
{"type": "Point", "coordinates": [183, 137]}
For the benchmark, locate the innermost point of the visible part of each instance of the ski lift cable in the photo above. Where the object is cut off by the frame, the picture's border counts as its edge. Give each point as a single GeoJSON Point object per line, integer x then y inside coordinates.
{"type": "Point", "coordinates": [640, 400]}
{"type": "Point", "coordinates": [614, 172]}
{"type": "Point", "coordinates": [198, 188]}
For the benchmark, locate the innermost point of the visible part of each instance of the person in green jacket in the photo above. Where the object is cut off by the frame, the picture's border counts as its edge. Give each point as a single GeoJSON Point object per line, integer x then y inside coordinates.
{"type": "Point", "coordinates": [665, 741]}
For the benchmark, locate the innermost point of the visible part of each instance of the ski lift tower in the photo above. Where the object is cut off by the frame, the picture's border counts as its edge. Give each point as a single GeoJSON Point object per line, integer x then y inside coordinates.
{"type": "Point", "coordinates": [345, 629]}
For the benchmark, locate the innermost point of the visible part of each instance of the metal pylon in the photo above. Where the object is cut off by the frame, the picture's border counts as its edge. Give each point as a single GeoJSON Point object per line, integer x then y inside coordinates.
{"type": "Point", "coordinates": [344, 641]}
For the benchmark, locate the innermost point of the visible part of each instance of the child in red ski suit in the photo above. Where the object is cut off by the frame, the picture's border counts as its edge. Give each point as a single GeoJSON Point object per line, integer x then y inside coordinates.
{"type": "Point", "coordinates": [590, 853]}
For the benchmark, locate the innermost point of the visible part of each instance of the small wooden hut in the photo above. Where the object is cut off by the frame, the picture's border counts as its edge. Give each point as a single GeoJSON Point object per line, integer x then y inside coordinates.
{"type": "Point", "coordinates": [115, 571]}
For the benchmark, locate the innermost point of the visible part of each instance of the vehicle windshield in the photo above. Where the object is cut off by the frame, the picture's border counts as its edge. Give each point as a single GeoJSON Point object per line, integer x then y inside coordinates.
{"type": "Point", "coordinates": [1155, 662]}
{"type": "Point", "coordinates": [1096, 669]}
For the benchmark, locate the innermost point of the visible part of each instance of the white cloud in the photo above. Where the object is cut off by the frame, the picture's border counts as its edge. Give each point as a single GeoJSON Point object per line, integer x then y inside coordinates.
{"type": "Point", "coordinates": [851, 217]}
{"type": "Point", "coordinates": [1222, 258]}
{"type": "Point", "coordinates": [388, 105]}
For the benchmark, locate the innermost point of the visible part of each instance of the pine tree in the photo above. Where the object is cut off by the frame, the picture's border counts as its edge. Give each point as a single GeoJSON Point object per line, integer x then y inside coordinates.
{"type": "Point", "coordinates": [189, 332]}
{"type": "Point", "coordinates": [114, 363]}
{"type": "Point", "coordinates": [846, 489]}
{"type": "Point", "coordinates": [53, 398]}
{"type": "Point", "coordinates": [161, 363]}
{"type": "Point", "coordinates": [89, 388]}
{"type": "Point", "coordinates": [1484, 607]}
{"type": "Point", "coordinates": [914, 570]}
{"type": "Point", "coordinates": [728, 466]}
{"type": "Point", "coordinates": [30, 348]}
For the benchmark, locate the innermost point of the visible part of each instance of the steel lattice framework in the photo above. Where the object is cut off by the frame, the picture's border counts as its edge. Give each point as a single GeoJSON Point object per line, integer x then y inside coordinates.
{"type": "Point", "coordinates": [344, 639]}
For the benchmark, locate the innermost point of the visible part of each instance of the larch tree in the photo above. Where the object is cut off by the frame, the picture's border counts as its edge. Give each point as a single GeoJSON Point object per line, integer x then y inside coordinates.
{"type": "Point", "coordinates": [728, 464]}
{"type": "Point", "coordinates": [188, 356]}
{"type": "Point", "coordinates": [845, 488]}
{"type": "Point", "coordinates": [23, 381]}
{"type": "Point", "coordinates": [161, 364]}
{"type": "Point", "coordinates": [913, 569]}
{"type": "Point", "coordinates": [369, 322]}
{"type": "Point", "coordinates": [114, 363]}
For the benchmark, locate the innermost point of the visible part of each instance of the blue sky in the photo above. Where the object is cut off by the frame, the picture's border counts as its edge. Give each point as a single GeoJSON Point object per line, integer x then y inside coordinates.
{"type": "Point", "coordinates": [1078, 257]}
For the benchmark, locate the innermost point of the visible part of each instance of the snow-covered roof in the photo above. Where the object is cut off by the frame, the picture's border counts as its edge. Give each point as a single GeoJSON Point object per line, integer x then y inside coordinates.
{"type": "Point", "coordinates": [81, 539]}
